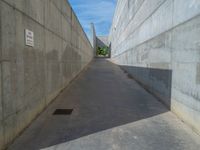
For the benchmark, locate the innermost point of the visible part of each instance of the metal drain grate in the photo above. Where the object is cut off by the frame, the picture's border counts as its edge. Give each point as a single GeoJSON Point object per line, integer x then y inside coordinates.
{"type": "Point", "coordinates": [63, 112]}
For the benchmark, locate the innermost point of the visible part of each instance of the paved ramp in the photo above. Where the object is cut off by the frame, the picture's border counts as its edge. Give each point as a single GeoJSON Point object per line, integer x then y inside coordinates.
{"type": "Point", "coordinates": [110, 112]}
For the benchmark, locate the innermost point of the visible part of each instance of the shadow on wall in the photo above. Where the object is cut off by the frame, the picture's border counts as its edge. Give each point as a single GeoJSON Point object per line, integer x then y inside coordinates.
{"type": "Point", "coordinates": [61, 70]}
{"type": "Point", "coordinates": [157, 81]}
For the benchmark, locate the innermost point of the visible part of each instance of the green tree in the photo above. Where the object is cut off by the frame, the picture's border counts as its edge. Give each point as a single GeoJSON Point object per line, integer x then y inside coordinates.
{"type": "Point", "coordinates": [102, 51]}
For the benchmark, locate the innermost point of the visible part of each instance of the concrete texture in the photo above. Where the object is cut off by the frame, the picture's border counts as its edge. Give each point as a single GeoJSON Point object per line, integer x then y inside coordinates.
{"type": "Point", "coordinates": [93, 39]}
{"type": "Point", "coordinates": [157, 42]}
{"type": "Point", "coordinates": [140, 135]}
{"type": "Point", "coordinates": [32, 76]}
{"type": "Point", "coordinates": [111, 111]}
{"type": "Point", "coordinates": [102, 41]}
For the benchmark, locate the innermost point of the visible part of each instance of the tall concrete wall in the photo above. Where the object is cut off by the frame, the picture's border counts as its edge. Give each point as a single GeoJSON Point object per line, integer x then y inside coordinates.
{"type": "Point", "coordinates": [93, 37]}
{"type": "Point", "coordinates": [31, 77]}
{"type": "Point", "coordinates": [158, 43]}
{"type": "Point", "coordinates": [102, 41]}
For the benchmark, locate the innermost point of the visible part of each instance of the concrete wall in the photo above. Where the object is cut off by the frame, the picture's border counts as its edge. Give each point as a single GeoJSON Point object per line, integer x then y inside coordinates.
{"type": "Point", "coordinates": [102, 41]}
{"type": "Point", "coordinates": [93, 37]}
{"type": "Point", "coordinates": [158, 43]}
{"type": "Point", "coordinates": [31, 77]}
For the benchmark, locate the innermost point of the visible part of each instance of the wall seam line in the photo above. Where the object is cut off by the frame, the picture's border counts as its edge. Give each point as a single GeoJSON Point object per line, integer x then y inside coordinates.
{"type": "Point", "coordinates": [134, 16]}
{"type": "Point", "coordinates": [143, 21]}
{"type": "Point", "coordinates": [56, 34]}
{"type": "Point", "coordinates": [160, 34]}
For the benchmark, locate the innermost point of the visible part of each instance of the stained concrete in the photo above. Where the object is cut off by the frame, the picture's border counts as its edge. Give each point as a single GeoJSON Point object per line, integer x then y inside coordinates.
{"type": "Point", "coordinates": [111, 111]}
{"type": "Point", "coordinates": [157, 42]}
{"type": "Point", "coordinates": [31, 77]}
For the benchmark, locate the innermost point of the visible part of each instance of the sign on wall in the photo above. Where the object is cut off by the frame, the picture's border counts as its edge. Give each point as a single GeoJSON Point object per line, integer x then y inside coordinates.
{"type": "Point", "coordinates": [29, 38]}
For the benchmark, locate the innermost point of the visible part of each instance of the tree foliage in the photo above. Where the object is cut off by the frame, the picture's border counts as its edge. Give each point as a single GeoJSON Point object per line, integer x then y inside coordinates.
{"type": "Point", "coordinates": [103, 51]}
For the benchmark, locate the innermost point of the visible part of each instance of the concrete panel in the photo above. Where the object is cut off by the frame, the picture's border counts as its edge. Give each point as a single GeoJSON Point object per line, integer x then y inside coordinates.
{"type": "Point", "coordinates": [150, 64]}
{"type": "Point", "coordinates": [53, 58]}
{"type": "Point", "coordinates": [185, 64]}
{"type": "Point", "coordinates": [198, 74]}
{"type": "Point", "coordinates": [1, 100]}
{"type": "Point", "coordinates": [53, 18]}
{"type": "Point", "coordinates": [186, 42]}
{"type": "Point", "coordinates": [1, 109]}
{"type": "Point", "coordinates": [1, 134]}
{"type": "Point", "coordinates": [185, 11]}
{"type": "Point", "coordinates": [158, 23]}
{"type": "Point", "coordinates": [160, 48]}
{"type": "Point", "coordinates": [102, 41]}
{"type": "Point", "coordinates": [33, 76]}
{"type": "Point", "coordinates": [65, 65]}
{"type": "Point", "coordinates": [8, 30]}
{"type": "Point", "coordinates": [66, 30]}
{"type": "Point", "coordinates": [66, 9]}
{"type": "Point", "coordinates": [32, 62]}
{"type": "Point", "coordinates": [22, 72]}
{"type": "Point", "coordinates": [34, 9]}
{"type": "Point", "coordinates": [7, 93]}
{"type": "Point", "coordinates": [74, 38]}
{"type": "Point", "coordinates": [1, 113]}
{"type": "Point", "coordinates": [143, 12]}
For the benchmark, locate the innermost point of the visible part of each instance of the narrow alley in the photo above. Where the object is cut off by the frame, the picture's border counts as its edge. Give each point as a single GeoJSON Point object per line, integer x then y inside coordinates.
{"type": "Point", "coordinates": [110, 111]}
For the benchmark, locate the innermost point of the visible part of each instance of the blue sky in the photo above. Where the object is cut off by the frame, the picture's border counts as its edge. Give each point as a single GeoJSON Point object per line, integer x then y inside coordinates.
{"type": "Point", "coordinates": [100, 12]}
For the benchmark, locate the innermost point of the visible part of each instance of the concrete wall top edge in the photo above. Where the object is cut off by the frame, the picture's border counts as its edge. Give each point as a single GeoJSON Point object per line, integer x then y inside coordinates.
{"type": "Point", "coordinates": [20, 5]}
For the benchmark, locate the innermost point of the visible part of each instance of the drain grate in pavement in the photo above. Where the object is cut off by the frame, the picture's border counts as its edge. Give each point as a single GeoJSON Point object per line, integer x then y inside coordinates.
{"type": "Point", "coordinates": [130, 76]}
{"type": "Point", "coordinates": [63, 112]}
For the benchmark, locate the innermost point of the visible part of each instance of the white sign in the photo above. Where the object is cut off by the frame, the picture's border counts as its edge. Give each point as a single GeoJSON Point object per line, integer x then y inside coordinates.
{"type": "Point", "coordinates": [29, 38]}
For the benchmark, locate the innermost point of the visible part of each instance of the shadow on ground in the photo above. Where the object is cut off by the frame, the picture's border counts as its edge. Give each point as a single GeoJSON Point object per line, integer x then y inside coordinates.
{"type": "Point", "coordinates": [156, 81]}
{"type": "Point", "coordinates": [102, 97]}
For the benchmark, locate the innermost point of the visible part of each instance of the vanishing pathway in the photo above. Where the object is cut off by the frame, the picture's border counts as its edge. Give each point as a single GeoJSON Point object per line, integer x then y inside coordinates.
{"type": "Point", "coordinates": [111, 112]}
